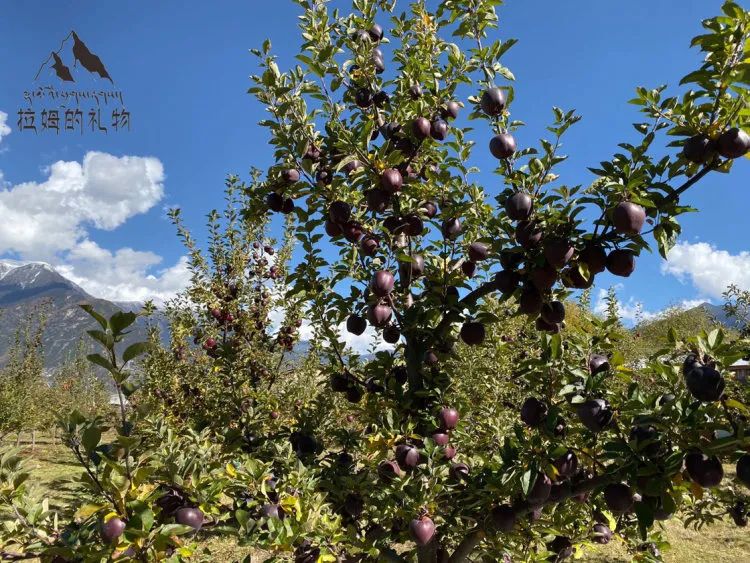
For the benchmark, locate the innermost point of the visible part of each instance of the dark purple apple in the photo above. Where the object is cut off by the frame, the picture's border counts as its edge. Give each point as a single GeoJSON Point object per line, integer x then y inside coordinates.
{"type": "Point", "coordinates": [354, 394]}
{"type": "Point", "coordinates": [733, 143]}
{"type": "Point", "coordinates": [382, 283]}
{"type": "Point", "coordinates": [369, 245]}
{"type": "Point", "coordinates": [379, 314]}
{"type": "Point", "coordinates": [449, 452]}
{"type": "Point", "coordinates": [379, 63]}
{"type": "Point", "coordinates": [351, 166]}
{"type": "Point", "coordinates": [459, 471]}
{"type": "Point", "coordinates": [421, 128]}
{"type": "Point", "coordinates": [704, 382]}
{"type": "Point", "coordinates": [340, 382]}
{"type": "Point", "coordinates": [572, 278]}
{"type": "Point", "coordinates": [602, 534]}
{"type": "Point", "coordinates": [414, 225]}
{"type": "Point", "coordinates": [543, 277]}
{"type": "Point", "coordinates": [451, 228]}
{"type": "Point", "coordinates": [503, 146]}
{"type": "Point", "coordinates": [507, 281]}
{"type": "Point", "coordinates": [646, 440]}
{"type": "Point", "coordinates": [375, 32]}
{"type": "Point", "coordinates": [503, 518]}
{"type": "Point", "coordinates": [333, 229]}
{"type": "Point", "coordinates": [553, 312]}
{"type": "Point", "coordinates": [439, 129]}
{"type": "Point", "coordinates": [412, 270]}
{"type": "Point", "coordinates": [112, 529]}
{"type": "Point", "coordinates": [472, 333]}
{"type": "Point", "coordinates": [356, 324]}
{"type": "Point", "coordinates": [492, 101]}
{"type": "Point", "coordinates": [528, 234]}
{"type": "Point", "coordinates": [621, 262]}
{"type": "Point", "coordinates": [562, 546]}
{"type": "Point", "coordinates": [450, 111]}
{"type": "Point", "coordinates": [533, 412]}
{"type": "Point", "coordinates": [598, 363]}
{"type": "Point", "coordinates": [272, 511]}
{"type": "Point", "coordinates": [312, 153]}
{"type": "Point", "coordinates": [595, 258]}
{"type": "Point", "coordinates": [566, 464]}
{"type": "Point", "coordinates": [290, 175]}
{"type": "Point", "coordinates": [388, 470]}
{"type": "Point", "coordinates": [478, 251]}
{"type": "Point", "coordinates": [540, 491]}
{"type": "Point", "coordinates": [339, 212]}
{"type": "Point", "coordinates": [391, 180]}
{"type": "Point", "coordinates": [519, 206]}
{"type": "Point", "coordinates": [448, 418]}
{"type": "Point", "coordinates": [275, 202]}
{"type": "Point", "coordinates": [288, 206]}
{"type": "Point", "coordinates": [705, 470]}
{"type": "Point", "coordinates": [594, 414]}
{"type": "Point", "coordinates": [377, 200]}
{"type": "Point", "coordinates": [391, 334]}
{"type": "Point", "coordinates": [698, 149]}
{"type": "Point", "coordinates": [558, 252]}
{"type": "Point", "coordinates": [469, 268]}
{"type": "Point", "coordinates": [743, 469]}
{"type": "Point", "coordinates": [415, 91]}
{"type": "Point", "coordinates": [530, 302]}
{"type": "Point", "coordinates": [363, 98]}
{"type": "Point", "coordinates": [619, 497]}
{"type": "Point", "coordinates": [628, 218]}
{"type": "Point", "coordinates": [431, 358]}
{"type": "Point", "coordinates": [441, 438]}
{"type": "Point", "coordinates": [407, 456]}
{"type": "Point", "coordinates": [430, 209]}
{"type": "Point", "coordinates": [192, 517]}
{"type": "Point", "coordinates": [738, 512]}
{"type": "Point", "coordinates": [543, 326]}
{"type": "Point", "coordinates": [422, 530]}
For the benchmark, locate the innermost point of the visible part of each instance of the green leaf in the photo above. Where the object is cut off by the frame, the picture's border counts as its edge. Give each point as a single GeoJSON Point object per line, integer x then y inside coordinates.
{"type": "Point", "coordinates": [100, 360]}
{"type": "Point", "coordinates": [99, 318]}
{"type": "Point", "coordinates": [91, 437]}
{"type": "Point", "coordinates": [174, 530]}
{"type": "Point", "coordinates": [134, 350]}
{"type": "Point", "coordinates": [120, 321]}
{"type": "Point", "coordinates": [104, 338]}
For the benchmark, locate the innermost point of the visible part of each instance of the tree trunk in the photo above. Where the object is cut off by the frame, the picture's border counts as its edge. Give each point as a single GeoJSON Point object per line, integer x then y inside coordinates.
{"type": "Point", "coordinates": [33, 440]}
{"type": "Point", "coordinates": [18, 439]}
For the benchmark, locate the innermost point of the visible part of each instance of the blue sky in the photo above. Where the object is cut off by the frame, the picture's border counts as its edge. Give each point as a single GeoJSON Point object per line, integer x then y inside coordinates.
{"type": "Point", "coordinates": [183, 69]}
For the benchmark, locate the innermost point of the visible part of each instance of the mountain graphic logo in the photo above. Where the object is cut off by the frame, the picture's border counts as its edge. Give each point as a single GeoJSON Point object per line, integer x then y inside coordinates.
{"type": "Point", "coordinates": [81, 55]}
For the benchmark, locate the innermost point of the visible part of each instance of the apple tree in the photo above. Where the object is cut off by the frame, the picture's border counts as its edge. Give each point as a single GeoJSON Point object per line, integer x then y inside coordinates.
{"type": "Point", "coordinates": [373, 154]}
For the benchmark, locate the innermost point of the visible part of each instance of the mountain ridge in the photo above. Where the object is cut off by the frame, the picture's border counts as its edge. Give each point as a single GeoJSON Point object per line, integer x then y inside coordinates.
{"type": "Point", "coordinates": [27, 288]}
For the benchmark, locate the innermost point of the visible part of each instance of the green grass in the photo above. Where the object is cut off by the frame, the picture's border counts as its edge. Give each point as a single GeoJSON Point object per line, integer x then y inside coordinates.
{"type": "Point", "coordinates": [53, 469]}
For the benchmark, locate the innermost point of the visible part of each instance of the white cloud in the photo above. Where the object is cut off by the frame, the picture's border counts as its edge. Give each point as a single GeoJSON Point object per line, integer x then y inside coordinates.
{"type": "Point", "coordinates": [4, 129]}
{"type": "Point", "coordinates": [631, 312]}
{"type": "Point", "coordinates": [50, 221]}
{"type": "Point", "coordinates": [104, 191]}
{"type": "Point", "coordinates": [362, 344]}
{"type": "Point", "coordinates": [709, 269]}
{"type": "Point", "coordinates": [123, 275]}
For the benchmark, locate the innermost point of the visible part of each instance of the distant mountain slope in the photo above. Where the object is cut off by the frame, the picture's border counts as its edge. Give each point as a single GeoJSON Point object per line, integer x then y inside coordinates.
{"type": "Point", "coordinates": [27, 286]}
{"type": "Point", "coordinates": [717, 312]}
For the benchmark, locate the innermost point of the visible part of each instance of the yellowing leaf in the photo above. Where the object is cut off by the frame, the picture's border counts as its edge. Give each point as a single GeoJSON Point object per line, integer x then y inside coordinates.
{"type": "Point", "coordinates": [697, 490]}
{"type": "Point", "coordinates": [88, 510]}
{"type": "Point", "coordinates": [231, 471]}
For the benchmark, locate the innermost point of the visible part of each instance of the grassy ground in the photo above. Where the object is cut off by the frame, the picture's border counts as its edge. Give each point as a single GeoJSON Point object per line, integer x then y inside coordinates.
{"type": "Point", "coordinates": [53, 469]}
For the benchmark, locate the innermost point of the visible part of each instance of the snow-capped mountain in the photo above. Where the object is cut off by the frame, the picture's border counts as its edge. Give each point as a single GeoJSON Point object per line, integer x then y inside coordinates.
{"type": "Point", "coordinates": [29, 287]}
